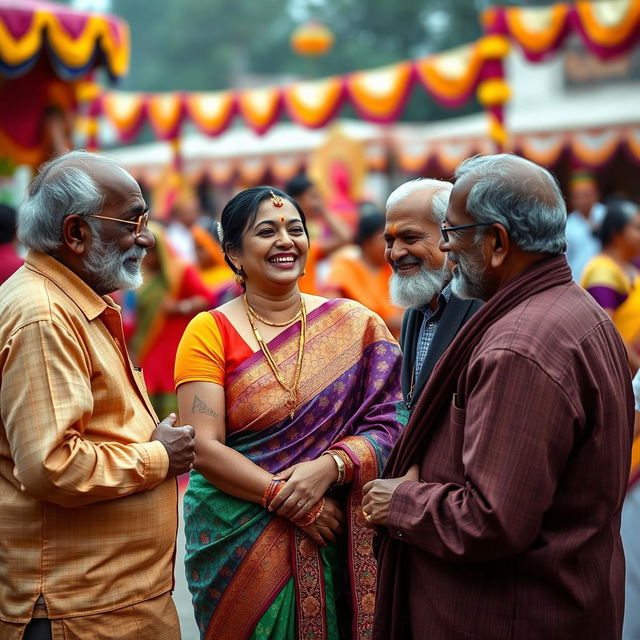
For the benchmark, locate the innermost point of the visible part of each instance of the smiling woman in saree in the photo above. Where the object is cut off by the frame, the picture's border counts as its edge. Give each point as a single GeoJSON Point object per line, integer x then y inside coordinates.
{"type": "Point", "coordinates": [293, 398]}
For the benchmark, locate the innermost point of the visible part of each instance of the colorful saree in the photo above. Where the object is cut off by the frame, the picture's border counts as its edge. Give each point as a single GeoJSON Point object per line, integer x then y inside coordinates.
{"type": "Point", "coordinates": [612, 289]}
{"type": "Point", "coordinates": [253, 574]}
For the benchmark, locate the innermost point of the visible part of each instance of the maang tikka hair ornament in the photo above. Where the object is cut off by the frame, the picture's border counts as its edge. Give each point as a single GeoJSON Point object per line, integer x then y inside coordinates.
{"type": "Point", "coordinates": [277, 200]}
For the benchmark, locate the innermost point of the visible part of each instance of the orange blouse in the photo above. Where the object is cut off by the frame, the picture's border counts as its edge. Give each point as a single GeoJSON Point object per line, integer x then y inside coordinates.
{"type": "Point", "coordinates": [209, 350]}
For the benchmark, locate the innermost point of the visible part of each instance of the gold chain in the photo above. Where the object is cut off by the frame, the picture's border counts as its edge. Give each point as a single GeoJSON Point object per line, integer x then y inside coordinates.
{"type": "Point", "coordinates": [269, 323]}
{"type": "Point", "coordinates": [292, 391]}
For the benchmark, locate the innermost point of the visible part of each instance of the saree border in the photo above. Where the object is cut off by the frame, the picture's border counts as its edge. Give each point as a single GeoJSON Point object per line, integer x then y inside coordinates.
{"type": "Point", "coordinates": [262, 574]}
{"type": "Point", "coordinates": [311, 602]}
{"type": "Point", "coordinates": [363, 568]}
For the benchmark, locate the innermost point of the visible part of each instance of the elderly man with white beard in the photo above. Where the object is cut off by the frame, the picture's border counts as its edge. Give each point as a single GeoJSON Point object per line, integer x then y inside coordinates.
{"type": "Point", "coordinates": [414, 213]}
{"type": "Point", "coordinates": [88, 495]}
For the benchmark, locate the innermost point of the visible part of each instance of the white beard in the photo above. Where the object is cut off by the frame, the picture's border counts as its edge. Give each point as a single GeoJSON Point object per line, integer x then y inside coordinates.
{"type": "Point", "coordinates": [111, 269]}
{"type": "Point", "coordinates": [419, 289]}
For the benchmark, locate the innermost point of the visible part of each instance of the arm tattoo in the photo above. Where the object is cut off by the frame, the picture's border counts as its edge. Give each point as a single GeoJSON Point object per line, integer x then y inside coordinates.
{"type": "Point", "coordinates": [200, 406]}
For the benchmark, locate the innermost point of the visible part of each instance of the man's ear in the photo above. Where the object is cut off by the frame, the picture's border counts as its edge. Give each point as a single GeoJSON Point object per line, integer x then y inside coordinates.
{"type": "Point", "coordinates": [75, 234]}
{"type": "Point", "coordinates": [500, 244]}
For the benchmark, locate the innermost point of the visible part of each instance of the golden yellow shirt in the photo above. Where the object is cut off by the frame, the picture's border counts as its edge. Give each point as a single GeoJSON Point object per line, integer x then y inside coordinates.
{"type": "Point", "coordinates": [87, 518]}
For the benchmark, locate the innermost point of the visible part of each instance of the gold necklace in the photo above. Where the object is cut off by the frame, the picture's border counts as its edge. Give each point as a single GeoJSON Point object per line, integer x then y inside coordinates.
{"type": "Point", "coordinates": [269, 323]}
{"type": "Point", "coordinates": [291, 390]}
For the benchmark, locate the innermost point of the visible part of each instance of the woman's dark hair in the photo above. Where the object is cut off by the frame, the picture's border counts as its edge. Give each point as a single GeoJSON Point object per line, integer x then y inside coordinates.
{"type": "Point", "coordinates": [619, 214]}
{"type": "Point", "coordinates": [7, 224]}
{"type": "Point", "coordinates": [370, 224]}
{"type": "Point", "coordinates": [240, 213]}
{"type": "Point", "coordinates": [298, 185]}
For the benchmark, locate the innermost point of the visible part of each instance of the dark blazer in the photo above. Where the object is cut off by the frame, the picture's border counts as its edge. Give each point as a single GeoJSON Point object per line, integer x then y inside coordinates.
{"type": "Point", "coordinates": [455, 314]}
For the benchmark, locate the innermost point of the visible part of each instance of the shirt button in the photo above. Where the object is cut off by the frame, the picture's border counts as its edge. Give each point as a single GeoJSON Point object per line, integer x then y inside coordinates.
{"type": "Point", "coordinates": [399, 534]}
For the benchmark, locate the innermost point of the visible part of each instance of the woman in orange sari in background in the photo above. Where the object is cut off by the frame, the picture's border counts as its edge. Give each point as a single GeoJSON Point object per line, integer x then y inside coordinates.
{"type": "Point", "coordinates": [364, 276]}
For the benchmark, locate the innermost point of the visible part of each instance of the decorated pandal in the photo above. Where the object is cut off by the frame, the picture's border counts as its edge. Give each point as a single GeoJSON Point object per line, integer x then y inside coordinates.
{"type": "Point", "coordinates": [54, 48]}
{"type": "Point", "coordinates": [47, 51]}
{"type": "Point", "coordinates": [605, 28]}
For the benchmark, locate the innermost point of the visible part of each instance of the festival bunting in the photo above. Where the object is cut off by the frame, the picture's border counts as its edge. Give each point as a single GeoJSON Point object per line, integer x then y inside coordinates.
{"type": "Point", "coordinates": [211, 112]}
{"type": "Point", "coordinates": [260, 108]}
{"type": "Point", "coordinates": [165, 113]}
{"type": "Point", "coordinates": [125, 111]}
{"type": "Point", "coordinates": [380, 95]}
{"type": "Point", "coordinates": [606, 27]}
{"type": "Point", "coordinates": [314, 104]}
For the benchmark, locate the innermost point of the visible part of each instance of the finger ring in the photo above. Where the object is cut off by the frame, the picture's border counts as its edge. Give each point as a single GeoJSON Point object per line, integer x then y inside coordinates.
{"type": "Point", "coordinates": [366, 515]}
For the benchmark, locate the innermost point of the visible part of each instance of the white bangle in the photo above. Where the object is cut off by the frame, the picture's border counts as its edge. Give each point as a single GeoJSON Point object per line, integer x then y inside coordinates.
{"type": "Point", "coordinates": [342, 469]}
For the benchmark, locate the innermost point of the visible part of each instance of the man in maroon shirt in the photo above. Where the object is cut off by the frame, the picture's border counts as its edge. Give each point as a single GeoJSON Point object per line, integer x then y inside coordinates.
{"type": "Point", "coordinates": [9, 258]}
{"type": "Point", "coordinates": [499, 513]}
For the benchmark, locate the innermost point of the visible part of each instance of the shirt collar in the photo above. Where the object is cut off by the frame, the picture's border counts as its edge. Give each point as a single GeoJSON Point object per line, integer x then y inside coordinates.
{"type": "Point", "coordinates": [89, 302]}
{"type": "Point", "coordinates": [441, 302]}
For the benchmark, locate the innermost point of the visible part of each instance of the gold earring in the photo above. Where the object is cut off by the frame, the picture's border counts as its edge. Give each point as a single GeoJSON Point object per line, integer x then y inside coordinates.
{"type": "Point", "coordinates": [238, 277]}
{"type": "Point", "coordinates": [303, 273]}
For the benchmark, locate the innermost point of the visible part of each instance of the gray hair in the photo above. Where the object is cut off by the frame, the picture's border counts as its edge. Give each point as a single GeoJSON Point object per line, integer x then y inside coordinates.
{"type": "Point", "coordinates": [439, 202]}
{"type": "Point", "coordinates": [56, 192]}
{"type": "Point", "coordinates": [522, 196]}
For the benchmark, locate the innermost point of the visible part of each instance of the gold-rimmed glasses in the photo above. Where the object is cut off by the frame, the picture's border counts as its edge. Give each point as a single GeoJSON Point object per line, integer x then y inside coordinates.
{"type": "Point", "coordinates": [140, 223]}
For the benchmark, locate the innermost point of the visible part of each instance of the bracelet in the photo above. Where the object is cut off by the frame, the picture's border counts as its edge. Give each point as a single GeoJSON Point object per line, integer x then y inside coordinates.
{"type": "Point", "coordinates": [339, 463]}
{"type": "Point", "coordinates": [348, 465]}
{"type": "Point", "coordinates": [312, 516]}
{"type": "Point", "coordinates": [271, 491]}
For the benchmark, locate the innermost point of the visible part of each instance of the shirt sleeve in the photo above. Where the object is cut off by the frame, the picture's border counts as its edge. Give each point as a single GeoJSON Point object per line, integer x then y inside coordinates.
{"type": "Point", "coordinates": [48, 425]}
{"type": "Point", "coordinates": [200, 356]}
{"type": "Point", "coordinates": [515, 448]}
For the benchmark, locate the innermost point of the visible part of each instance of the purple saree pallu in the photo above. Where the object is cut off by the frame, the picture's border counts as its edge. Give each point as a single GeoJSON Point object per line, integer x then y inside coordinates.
{"type": "Point", "coordinates": [248, 569]}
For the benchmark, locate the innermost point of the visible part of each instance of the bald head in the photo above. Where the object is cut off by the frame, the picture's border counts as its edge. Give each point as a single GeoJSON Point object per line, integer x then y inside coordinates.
{"type": "Point", "coordinates": [520, 195]}
{"type": "Point", "coordinates": [425, 195]}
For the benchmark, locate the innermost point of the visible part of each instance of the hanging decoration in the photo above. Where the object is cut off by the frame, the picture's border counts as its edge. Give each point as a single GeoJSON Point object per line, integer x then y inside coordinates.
{"type": "Point", "coordinates": [607, 28]}
{"type": "Point", "coordinates": [378, 95]}
{"type": "Point", "coordinates": [452, 78]}
{"type": "Point", "coordinates": [47, 52]}
{"type": "Point", "coordinates": [211, 112]}
{"type": "Point", "coordinates": [313, 104]}
{"type": "Point", "coordinates": [312, 39]}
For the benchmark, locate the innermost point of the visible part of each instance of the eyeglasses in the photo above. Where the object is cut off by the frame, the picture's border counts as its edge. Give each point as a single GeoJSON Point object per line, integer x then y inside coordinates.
{"type": "Point", "coordinates": [140, 223]}
{"type": "Point", "coordinates": [445, 230]}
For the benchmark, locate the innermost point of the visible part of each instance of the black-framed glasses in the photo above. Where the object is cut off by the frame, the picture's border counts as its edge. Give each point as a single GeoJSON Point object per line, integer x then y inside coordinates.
{"type": "Point", "coordinates": [140, 223]}
{"type": "Point", "coordinates": [444, 230]}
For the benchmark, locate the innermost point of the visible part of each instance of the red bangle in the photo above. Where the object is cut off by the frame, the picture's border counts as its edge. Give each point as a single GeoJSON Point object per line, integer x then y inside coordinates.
{"type": "Point", "coordinates": [271, 491]}
{"type": "Point", "coordinates": [312, 516]}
